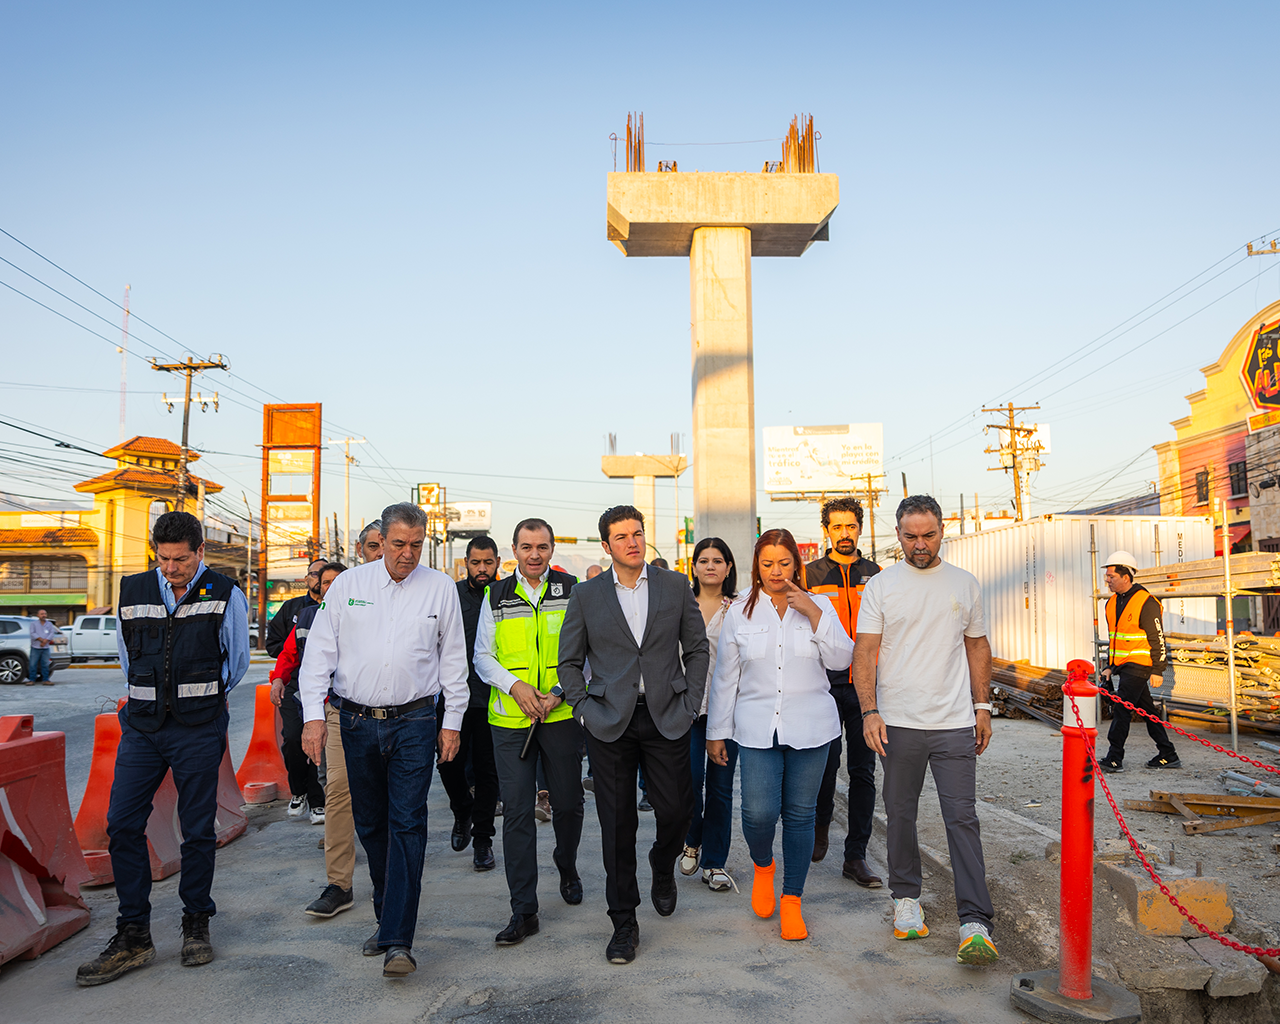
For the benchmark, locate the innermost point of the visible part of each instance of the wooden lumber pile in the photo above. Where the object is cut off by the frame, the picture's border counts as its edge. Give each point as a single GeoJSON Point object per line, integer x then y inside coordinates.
{"type": "Point", "coordinates": [1254, 572]}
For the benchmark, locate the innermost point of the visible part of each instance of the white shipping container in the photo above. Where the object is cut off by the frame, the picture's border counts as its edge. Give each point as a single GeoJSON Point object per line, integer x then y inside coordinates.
{"type": "Point", "coordinates": [1037, 584]}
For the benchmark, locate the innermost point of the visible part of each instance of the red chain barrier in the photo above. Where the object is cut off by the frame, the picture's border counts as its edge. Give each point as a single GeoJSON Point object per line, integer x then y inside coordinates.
{"type": "Point", "coordinates": [1116, 699]}
{"type": "Point", "coordinates": [1133, 843]}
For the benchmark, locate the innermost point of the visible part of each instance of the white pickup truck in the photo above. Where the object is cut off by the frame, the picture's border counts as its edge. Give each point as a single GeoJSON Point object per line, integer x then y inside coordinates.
{"type": "Point", "coordinates": [92, 637]}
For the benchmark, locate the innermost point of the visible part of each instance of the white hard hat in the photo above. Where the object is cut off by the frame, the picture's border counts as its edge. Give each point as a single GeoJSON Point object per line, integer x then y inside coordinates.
{"type": "Point", "coordinates": [1121, 558]}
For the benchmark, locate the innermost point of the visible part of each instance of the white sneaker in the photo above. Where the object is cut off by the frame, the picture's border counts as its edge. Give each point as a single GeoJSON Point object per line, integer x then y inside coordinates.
{"type": "Point", "coordinates": [689, 859]}
{"type": "Point", "coordinates": [717, 879]}
{"type": "Point", "coordinates": [908, 919]}
{"type": "Point", "coordinates": [317, 815]}
{"type": "Point", "coordinates": [976, 945]}
{"type": "Point", "coordinates": [297, 805]}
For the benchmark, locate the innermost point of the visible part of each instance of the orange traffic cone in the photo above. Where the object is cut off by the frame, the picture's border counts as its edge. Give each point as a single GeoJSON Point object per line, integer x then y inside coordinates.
{"type": "Point", "coordinates": [262, 775]}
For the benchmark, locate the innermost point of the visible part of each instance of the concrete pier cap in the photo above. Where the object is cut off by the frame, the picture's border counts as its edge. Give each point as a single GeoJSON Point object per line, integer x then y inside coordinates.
{"type": "Point", "coordinates": [720, 220]}
{"type": "Point", "coordinates": [654, 214]}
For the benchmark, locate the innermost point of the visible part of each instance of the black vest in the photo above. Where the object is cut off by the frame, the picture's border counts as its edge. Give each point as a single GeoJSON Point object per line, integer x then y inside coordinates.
{"type": "Point", "coordinates": [301, 627]}
{"type": "Point", "coordinates": [175, 661]}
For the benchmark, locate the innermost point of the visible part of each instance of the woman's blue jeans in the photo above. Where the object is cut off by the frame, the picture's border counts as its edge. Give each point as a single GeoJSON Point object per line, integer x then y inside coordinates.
{"type": "Point", "coordinates": [711, 826]}
{"type": "Point", "coordinates": [781, 782]}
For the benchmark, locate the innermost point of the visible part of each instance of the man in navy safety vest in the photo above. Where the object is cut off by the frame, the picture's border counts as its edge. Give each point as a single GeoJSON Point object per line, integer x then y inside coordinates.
{"type": "Point", "coordinates": [517, 653]}
{"type": "Point", "coordinates": [183, 643]}
{"type": "Point", "coordinates": [1137, 655]}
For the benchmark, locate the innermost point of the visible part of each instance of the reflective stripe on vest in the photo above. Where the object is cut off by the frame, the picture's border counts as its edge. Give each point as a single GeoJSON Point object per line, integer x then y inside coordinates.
{"type": "Point", "coordinates": [526, 642]}
{"type": "Point", "coordinates": [144, 611]}
{"type": "Point", "coordinates": [1129, 644]}
{"type": "Point", "coordinates": [201, 608]}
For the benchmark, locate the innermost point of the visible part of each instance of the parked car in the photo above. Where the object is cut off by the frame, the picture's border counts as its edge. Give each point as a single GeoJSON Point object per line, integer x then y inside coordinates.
{"type": "Point", "coordinates": [94, 636]}
{"type": "Point", "coordinates": [15, 649]}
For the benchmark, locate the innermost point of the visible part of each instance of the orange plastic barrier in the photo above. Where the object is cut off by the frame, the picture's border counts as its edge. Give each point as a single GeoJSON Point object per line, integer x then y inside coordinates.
{"type": "Point", "coordinates": [41, 868]}
{"type": "Point", "coordinates": [262, 775]}
{"type": "Point", "coordinates": [230, 821]}
{"type": "Point", "coordinates": [164, 833]}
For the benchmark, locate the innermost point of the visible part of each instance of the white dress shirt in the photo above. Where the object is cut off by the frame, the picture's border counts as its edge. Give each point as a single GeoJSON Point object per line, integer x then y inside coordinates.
{"type": "Point", "coordinates": [635, 605]}
{"type": "Point", "coordinates": [487, 665]}
{"type": "Point", "coordinates": [771, 677]}
{"type": "Point", "coordinates": [386, 643]}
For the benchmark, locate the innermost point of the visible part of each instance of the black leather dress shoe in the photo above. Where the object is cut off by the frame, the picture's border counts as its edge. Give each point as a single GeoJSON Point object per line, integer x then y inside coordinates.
{"type": "Point", "coordinates": [371, 947]}
{"type": "Point", "coordinates": [460, 837]}
{"type": "Point", "coordinates": [820, 841]}
{"type": "Point", "coordinates": [398, 962]}
{"type": "Point", "coordinates": [858, 871]}
{"type": "Point", "coordinates": [664, 890]}
{"type": "Point", "coordinates": [570, 882]}
{"type": "Point", "coordinates": [626, 939]}
{"type": "Point", "coordinates": [483, 858]}
{"type": "Point", "coordinates": [521, 926]}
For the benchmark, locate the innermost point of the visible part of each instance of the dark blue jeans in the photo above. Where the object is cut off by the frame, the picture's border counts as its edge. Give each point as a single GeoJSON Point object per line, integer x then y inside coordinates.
{"type": "Point", "coordinates": [711, 830]}
{"type": "Point", "coordinates": [194, 752]}
{"type": "Point", "coordinates": [389, 768]}
{"type": "Point", "coordinates": [41, 667]}
{"type": "Point", "coordinates": [781, 782]}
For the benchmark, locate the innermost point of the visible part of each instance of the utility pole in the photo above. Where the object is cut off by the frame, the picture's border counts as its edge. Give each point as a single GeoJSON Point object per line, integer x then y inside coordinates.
{"type": "Point", "coordinates": [1021, 453]}
{"type": "Point", "coordinates": [346, 443]}
{"type": "Point", "coordinates": [188, 369]}
{"type": "Point", "coordinates": [124, 361]}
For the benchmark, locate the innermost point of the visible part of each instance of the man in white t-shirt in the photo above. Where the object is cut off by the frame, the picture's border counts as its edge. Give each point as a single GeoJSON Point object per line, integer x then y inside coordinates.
{"type": "Point", "coordinates": [921, 625]}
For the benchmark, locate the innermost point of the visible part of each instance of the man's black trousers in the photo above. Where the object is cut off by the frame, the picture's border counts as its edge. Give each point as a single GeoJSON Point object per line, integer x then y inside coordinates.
{"type": "Point", "coordinates": [670, 779]}
{"type": "Point", "coordinates": [476, 749]}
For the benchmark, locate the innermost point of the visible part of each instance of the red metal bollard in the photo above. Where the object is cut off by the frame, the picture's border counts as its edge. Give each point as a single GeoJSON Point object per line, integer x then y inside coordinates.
{"type": "Point", "coordinates": [1075, 928]}
{"type": "Point", "coordinates": [1071, 993]}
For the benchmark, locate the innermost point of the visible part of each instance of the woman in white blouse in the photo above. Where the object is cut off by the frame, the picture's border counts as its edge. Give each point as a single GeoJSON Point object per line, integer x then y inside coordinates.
{"type": "Point", "coordinates": [715, 585]}
{"type": "Point", "coordinates": [771, 695]}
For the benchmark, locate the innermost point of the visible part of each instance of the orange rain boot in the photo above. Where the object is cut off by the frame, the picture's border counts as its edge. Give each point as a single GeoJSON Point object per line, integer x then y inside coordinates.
{"type": "Point", "coordinates": [762, 890]}
{"type": "Point", "coordinates": [792, 923]}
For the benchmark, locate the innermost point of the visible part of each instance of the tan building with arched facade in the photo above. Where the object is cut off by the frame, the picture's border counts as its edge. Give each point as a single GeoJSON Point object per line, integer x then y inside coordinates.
{"type": "Point", "coordinates": [71, 561]}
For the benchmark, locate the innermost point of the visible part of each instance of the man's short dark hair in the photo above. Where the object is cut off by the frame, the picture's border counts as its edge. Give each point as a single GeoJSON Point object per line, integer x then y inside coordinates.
{"type": "Point", "coordinates": [917, 504]}
{"type": "Point", "coordinates": [375, 525]}
{"type": "Point", "coordinates": [618, 514]}
{"type": "Point", "coordinates": [483, 543]}
{"type": "Point", "coordinates": [532, 525]}
{"type": "Point", "coordinates": [333, 567]}
{"type": "Point", "coordinates": [841, 505]}
{"type": "Point", "coordinates": [175, 527]}
{"type": "Point", "coordinates": [1123, 570]}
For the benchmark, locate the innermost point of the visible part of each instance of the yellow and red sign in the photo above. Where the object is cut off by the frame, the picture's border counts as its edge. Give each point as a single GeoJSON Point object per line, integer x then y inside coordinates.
{"type": "Point", "coordinates": [1261, 369]}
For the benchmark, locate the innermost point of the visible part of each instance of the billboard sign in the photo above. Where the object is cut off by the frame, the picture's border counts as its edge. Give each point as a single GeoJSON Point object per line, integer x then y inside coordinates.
{"type": "Point", "coordinates": [826, 458]}
{"type": "Point", "coordinates": [1261, 367]}
{"type": "Point", "coordinates": [472, 516]}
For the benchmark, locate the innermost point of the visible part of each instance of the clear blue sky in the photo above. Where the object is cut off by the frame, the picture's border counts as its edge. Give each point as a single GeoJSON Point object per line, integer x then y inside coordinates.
{"type": "Point", "coordinates": [399, 210]}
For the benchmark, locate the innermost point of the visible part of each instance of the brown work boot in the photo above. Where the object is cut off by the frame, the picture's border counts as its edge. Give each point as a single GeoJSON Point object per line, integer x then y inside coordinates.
{"type": "Point", "coordinates": [196, 947]}
{"type": "Point", "coordinates": [130, 947]}
{"type": "Point", "coordinates": [820, 840]}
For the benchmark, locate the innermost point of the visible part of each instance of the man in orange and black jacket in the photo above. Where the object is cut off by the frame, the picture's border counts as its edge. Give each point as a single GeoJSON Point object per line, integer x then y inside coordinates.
{"type": "Point", "coordinates": [841, 575]}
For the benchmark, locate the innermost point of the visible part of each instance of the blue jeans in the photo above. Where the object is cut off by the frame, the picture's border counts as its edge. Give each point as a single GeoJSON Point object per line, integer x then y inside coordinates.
{"type": "Point", "coordinates": [389, 768]}
{"type": "Point", "coordinates": [194, 752]}
{"type": "Point", "coordinates": [782, 782]}
{"type": "Point", "coordinates": [41, 667]}
{"type": "Point", "coordinates": [711, 830]}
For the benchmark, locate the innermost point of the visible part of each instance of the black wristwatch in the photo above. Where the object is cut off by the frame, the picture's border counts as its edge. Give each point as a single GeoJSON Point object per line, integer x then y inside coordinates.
{"type": "Point", "coordinates": [557, 691]}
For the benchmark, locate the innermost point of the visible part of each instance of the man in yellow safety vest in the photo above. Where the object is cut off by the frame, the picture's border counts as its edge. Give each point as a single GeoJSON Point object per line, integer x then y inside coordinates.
{"type": "Point", "coordinates": [1137, 655]}
{"type": "Point", "coordinates": [517, 653]}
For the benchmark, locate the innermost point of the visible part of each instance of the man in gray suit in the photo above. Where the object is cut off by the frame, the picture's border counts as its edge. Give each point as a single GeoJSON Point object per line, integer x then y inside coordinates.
{"type": "Point", "coordinates": [641, 631]}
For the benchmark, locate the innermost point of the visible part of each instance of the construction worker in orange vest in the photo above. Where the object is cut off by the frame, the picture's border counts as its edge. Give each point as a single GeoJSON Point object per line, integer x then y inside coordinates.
{"type": "Point", "coordinates": [1137, 655]}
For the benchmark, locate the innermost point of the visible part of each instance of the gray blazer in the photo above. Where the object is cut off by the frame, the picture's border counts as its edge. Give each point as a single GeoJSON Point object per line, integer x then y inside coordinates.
{"type": "Point", "coordinates": [596, 629]}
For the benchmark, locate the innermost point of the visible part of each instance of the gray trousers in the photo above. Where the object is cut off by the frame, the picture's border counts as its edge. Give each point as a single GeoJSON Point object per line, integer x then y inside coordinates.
{"type": "Point", "coordinates": [949, 754]}
{"type": "Point", "coordinates": [558, 744]}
